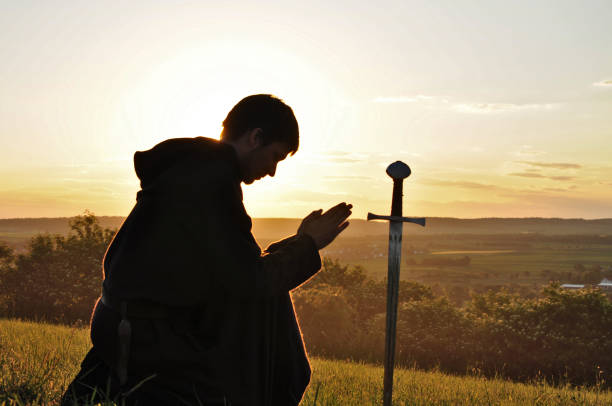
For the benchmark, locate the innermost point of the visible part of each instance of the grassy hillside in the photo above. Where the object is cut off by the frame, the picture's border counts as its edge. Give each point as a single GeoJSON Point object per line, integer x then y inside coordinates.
{"type": "Point", "coordinates": [38, 360]}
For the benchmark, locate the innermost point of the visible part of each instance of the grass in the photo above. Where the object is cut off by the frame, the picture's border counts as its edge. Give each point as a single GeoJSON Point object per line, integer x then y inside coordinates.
{"type": "Point", "coordinates": [37, 361]}
{"type": "Point", "coordinates": [343, 383]}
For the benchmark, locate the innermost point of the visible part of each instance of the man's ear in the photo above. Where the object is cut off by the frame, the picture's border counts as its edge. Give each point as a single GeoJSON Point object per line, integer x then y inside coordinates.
{"type": "Point", "coordinates": [254, 138]}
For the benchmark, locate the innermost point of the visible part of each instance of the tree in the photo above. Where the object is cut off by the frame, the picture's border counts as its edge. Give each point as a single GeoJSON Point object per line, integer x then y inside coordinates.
{"type": "Point", "coordinates": [336, 274]}
{"type": "Point", "coordinates": [7, 261]}
{"type": "Point", "coordinates": [59, 278]}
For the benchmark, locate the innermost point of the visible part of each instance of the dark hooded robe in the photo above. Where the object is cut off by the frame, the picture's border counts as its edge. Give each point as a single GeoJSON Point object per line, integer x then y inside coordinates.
{"type": "Point", "coordinates": [217, 320]}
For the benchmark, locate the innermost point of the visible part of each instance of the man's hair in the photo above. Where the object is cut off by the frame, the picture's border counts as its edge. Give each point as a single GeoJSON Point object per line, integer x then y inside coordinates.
{"type": "Point", "coordinates": [265, 111]}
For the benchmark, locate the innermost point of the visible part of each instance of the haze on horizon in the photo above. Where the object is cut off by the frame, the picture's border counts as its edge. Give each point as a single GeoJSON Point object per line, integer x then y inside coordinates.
{"type": "Point", "coordinates": [501, 109]}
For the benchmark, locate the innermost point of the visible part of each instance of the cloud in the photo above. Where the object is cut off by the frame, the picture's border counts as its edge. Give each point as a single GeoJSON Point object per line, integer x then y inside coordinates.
{"type": "Point", "coordinates": [539, 175]}
{"type": "Point", "coordinates": [335, 153]}
{"type": "Point", "coordinates": [527, 151]}
{"type": "Point", "coordinates": [492, 108]}
{"type": "Point", "coordinates": [556, 165]}
{"type": "Point", "coordinates": [603, 83]}
{"type": "Point", "coordinates": [333, 178]}
{"type": "Point", "coordinates": [527, 174]}
{"type": "Point", "coordinates": [460, 184]}
{"type": "Point", "coordinates": [403, 99]}
{"type": "Point", "coordinates": [340, 160]}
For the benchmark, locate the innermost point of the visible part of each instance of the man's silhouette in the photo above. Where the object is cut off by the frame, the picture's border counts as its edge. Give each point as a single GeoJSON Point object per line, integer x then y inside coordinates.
{"type": "Point", "coordinates": [192, 311]}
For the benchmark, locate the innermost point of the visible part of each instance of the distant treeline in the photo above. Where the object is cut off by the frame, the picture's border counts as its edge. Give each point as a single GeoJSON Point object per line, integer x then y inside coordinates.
{"type": "Point", "coordinates": [562, 335]}
{"type": "Point", "coordinates": [275, 228]}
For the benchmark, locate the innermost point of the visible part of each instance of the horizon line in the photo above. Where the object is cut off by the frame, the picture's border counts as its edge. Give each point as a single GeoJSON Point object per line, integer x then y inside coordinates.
{"type": "Point", "coordinates": [363, 219]}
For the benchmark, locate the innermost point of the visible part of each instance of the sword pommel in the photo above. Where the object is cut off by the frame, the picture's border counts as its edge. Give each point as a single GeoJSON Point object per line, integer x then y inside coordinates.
{"type": "Point", "coordinates": [398, 170]}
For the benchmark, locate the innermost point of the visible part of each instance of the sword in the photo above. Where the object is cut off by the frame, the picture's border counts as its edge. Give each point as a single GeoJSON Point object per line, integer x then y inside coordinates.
{"type": "Point", "coordinates": [398, 171]}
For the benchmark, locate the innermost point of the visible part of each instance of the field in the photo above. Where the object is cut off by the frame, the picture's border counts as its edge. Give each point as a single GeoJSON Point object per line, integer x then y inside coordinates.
{"type": "Point", "coordinates": [38, 360]}
{"type": "Point", "coordinates": [454, 256]}
{"type": "Point", "coordinates": [527, 261]}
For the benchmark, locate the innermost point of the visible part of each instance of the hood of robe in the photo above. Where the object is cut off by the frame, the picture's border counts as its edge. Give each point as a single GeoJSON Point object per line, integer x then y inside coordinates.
{"type": "Point", "coordinates": [150, 164]}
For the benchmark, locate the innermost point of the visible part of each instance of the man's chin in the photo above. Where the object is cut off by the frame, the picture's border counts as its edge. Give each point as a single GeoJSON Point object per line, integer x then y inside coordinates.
{"type": "Point", "coordinates": [250, 180]}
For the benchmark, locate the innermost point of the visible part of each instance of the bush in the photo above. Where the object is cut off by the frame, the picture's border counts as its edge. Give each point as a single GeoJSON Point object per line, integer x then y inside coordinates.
{"type": "Point", "coordinates": [565, 335]}
{"type": "Point", "coordinates": [58, 279]}
{"type": "Point", "coordinates": [430, 333]}
{"type": "Point", "coordinates": [327, 317]}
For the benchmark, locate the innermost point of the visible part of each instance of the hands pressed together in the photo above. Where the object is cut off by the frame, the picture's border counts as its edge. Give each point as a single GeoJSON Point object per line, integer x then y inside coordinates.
{"type": "Point", "coordinates": [325, 227]}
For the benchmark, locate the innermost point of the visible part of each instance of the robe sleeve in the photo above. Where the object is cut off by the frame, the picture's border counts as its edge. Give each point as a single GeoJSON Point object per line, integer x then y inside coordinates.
{"type": "Point", "coordinates": [280, 244]}
{"type": "Point", "coordinates": [236, 261]}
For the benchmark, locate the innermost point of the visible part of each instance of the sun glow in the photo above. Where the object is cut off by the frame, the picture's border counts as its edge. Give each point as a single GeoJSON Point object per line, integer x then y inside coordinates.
{"type": "Point", "coordinates": [488, 129]}
{"type": "Point", "coordinates": [190, 93]}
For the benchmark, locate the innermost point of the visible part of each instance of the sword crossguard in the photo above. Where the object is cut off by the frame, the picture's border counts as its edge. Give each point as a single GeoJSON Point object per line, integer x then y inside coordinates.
{"type": "Point", "coordinates": [398, 219]}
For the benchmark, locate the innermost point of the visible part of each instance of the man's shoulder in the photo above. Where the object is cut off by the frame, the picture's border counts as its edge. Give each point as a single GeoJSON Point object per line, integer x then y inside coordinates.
{"type": "Point", "coordinates": [214, 161]}
{"type": "Point", "coordinates": [210, 159]}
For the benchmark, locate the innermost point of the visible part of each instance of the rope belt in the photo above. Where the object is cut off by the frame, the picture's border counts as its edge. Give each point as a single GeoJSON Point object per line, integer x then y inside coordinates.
{"type": "Point", "coordinates": [135, 309]}
{"type": "Point", "coordinates": [138, 309]}
{"type": "Point", "coordinates": [143, 309]}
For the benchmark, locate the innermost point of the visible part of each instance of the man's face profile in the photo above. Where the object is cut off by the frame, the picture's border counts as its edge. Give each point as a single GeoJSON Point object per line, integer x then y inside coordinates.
{"type": "Point", "coordinates": [262, 160]}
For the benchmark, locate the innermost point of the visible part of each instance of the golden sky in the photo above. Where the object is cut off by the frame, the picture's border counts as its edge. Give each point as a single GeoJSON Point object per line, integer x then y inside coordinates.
{"type": "Point", "coordinates": [501, 109]}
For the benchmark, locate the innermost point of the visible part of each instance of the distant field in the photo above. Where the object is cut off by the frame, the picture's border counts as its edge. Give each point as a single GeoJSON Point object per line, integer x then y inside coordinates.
{"type": "Point", "coordinates": [18, 231]}
{"type": "Point", "coordinates": [465, 252]}
{"type": "Point", "coordinates": [500, 264]}
{"type": "Point", "coordinates": [38, 360]}
{"type": "Point", "coordinates": [524, 263]}
{"type": "Point", "coordinates": [521, 252]}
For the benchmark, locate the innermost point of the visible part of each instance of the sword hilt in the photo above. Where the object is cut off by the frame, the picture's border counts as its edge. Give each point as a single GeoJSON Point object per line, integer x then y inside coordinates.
{"type": "Point", "coordinates": [398, 171]}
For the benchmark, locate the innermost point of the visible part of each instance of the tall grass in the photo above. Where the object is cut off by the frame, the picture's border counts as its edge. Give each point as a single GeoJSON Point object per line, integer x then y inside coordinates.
{"type": "Point", "coordinates": [345, 383]}
{"type": "Point", "coordinates": [37, 361]}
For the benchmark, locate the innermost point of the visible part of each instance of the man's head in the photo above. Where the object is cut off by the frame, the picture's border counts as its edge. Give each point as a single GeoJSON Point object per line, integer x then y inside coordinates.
{"type": "Point", "coordinates": [263, 131]}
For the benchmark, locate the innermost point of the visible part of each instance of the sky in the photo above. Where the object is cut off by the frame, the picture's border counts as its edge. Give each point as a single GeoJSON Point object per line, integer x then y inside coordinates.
{"type": "Point", "coordinates": [501, 109]}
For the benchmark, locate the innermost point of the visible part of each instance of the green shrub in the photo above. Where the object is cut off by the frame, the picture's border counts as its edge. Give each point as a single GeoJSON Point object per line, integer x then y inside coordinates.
{"type": "Point", "coordinates": [328, 319]}
{"type": "Point", "coordinates": [565, 335]}
{"type": "Point", "coordinates": [59, 278]}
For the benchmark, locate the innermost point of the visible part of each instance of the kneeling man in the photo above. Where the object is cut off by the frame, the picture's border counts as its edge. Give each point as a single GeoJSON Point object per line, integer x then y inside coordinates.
{"type": "Point", "coordinates": [192, 311]}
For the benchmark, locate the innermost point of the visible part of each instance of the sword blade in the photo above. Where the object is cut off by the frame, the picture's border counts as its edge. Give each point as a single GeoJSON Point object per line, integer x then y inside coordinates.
{"type": "Point", "coordinates": [395, 252]}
